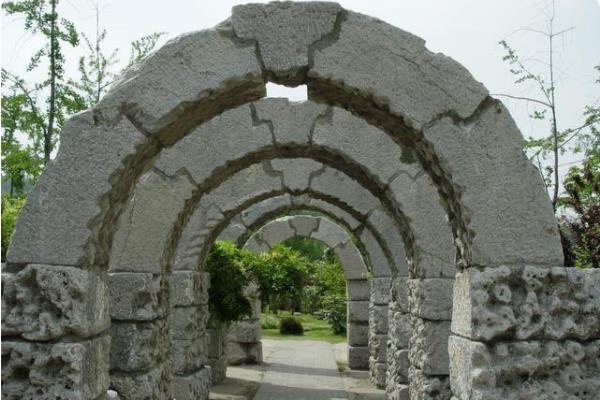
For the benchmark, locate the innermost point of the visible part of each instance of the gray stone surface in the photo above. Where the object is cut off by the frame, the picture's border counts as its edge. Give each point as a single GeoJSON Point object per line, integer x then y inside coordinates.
{"type": "Point", "coordinates": [188, 356]}
{"type": "Point", "coordinates": [358, 334]}
{"type": "Point", "coordinates": [44, 302]}
{"type": "Point", "coordinates": [193, 386]}
{"type": "Point", "coordinates": [285, 31]}
{"type": "Point", "coordinates": [358, 311]}
{"type": "Point", "coordinates": [142, 386]}
{"type": "Point", "coordinates": [358, 357]}
{"type": "Point", "coordinates": [431, 298]}
{"type": "Point", "coordinates": [189, 288]}
{"type": "Point", "coordinates": [527, 303]}
{"type": "Point", "coordinates": [135, 346]}
{"type": "Point", "coordinates": [77, 370]}
{"type": "Point", "coordinates": [428, 346]}
{"type": "Point", "coordinates": [134, 296]}
{"type": "Point", "coordinates": [358, 289]}
{"type": "Point", "coordinates": [428, 387]}
{"type": "Point", "coordinates": [378, 318]}
{"type": "Point", "coordinates": [380, 290]}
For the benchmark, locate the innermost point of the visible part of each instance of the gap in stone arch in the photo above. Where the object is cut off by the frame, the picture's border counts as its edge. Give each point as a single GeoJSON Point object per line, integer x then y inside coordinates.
{"type": "Point", "coordinates": [296, 93]}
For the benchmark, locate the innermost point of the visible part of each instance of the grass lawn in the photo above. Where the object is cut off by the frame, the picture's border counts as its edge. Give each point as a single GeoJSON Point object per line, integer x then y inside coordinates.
{"type": "Point", "coordinates": [314, 329]}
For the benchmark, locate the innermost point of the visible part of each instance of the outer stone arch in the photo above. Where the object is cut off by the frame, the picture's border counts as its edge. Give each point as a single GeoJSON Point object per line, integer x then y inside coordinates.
{"type": "Point", "coordinates": [500, 216]}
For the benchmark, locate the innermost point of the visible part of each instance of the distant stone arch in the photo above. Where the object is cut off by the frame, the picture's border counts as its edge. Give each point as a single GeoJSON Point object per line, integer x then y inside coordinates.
{"type": "Point", "coordinates": [364, 77]}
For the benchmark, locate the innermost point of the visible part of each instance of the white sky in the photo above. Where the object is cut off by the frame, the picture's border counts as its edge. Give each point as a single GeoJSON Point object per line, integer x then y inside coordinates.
{"type": "Point", "coordinates": [467, 30]}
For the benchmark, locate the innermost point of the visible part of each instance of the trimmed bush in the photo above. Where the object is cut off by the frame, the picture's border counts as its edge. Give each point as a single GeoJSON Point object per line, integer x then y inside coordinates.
{"type": "Point", "coordinates": [290, 326]}
{"type": "Point", "coordinates": [268, 322]}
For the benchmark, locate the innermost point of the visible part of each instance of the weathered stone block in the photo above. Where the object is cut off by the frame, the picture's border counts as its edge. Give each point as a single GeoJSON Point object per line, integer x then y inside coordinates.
{"type": "Point", "coordinates": [378, 345]}
{"type": "Point", "coordinates": [340, 185]}
{"type": "Point", "coordinates": [188, 356]}
{"type": "Point", "coordinates": [245, 331]}
{"type": "Point", "coordinates": [428, 387]}
{"type": "Point", "coordinates": [428, 345]}
{"type": "Point", "coordinates": [76, 370]}
{"type": "Point", "coordinates": [380, 290]}
{"type": "Point", "coordinates": [351, 260]}
{"type": "Point", "coordinates": [397, 392]}
{"type": "Point", "coordinates": [193, 386]}
{"type": "Point", "coordinates": [357, 289]}
{"type": "Point", "coordinates": [134, 296]}
{"type": "Point", "coordinates": [377, 373]}
{"type": "Point", "coordinates": [189, 288]}
{"type": "Point", "coordinates": [397, 372]}
{"type": "Point", "coordinates": [399, 329]}
{"type": "Point", "coordinates": [135, 346]}
{"type": "Point", "coordinates": [358, 311]}
{"type": "Point", "coordinates": [142, 386]}
{"type": "Point", "coordinates": [431, 298]}
{"type": "Point", "coordinates": [304, 225]}
{"type": "Point", "coordinates": [296, 172]}
{"type": "Point", "coordinates": [358, 357]}
{"type": "Point", "coordinates": [380, 264]}
{"type": "Point", "coordinates": [378, 318]}
{"type": "Point", "coordinates": [527, 302]}
{"type": "Point", "coordinates": [399, 294]}
{"type": "Point", "coordinates": [188, 323]}
{"type": "Point", "coordinates": [358, 334]}
{"type": "Point", "coordinates": [44, 302]}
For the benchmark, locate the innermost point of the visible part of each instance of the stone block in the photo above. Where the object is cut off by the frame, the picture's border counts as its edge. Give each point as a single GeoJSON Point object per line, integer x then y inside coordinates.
{"type": "Point", "coordinates": [193, 386]}
{"type": "Point", "coordinates": [358, 334]}
{"type": "Point", "coordinates": [399, 294]}
{"type": "Point", "coordinates": [218, 369]}
{"type": "Point", "coordinates": [398, 364]}
{"type": "Point", "coordinates": [380, 290]}
{"type": "Point", "coordinates": [380, 264]}
{"type": "Point", "coordinates": [245, 331]}
{"type": "Point", "coordinates": [188, 356]}
{"type": "Point", "coordinates": [428, 346]}
{"type": "Point", "coordinates": [335, 211]}
{"type": "Point", "coordinates": [189, 288]}
{"type": "Point", "coordinates": [378, 345]}
{"type": "Point", "coordinates": [431, 298]}
{"type": "Point", "coordinates": [251, 214]}
{"type": "Point", "coordinates": [340, 185]}
{"type": "Point", "coordinates": [533, 369]}
{"type": "Point", "coordinates": [358, 357]}
{"type": "Point", "coordinates": [377, 373]}
{"type": "Point", "coordinates": [255, 354]}
{"type": "Point", "coordinates": [143, 385]}
{"type": "Point", "coordinates": [397, 392]}
{"type": "Point", "coordinates": [275, 232]}
{"type": "Point", "coordinates": [74, 370]}
{"type": "Point", "coordinates": [357, 289]}
{"type": "Point", "coordinates": [45, 302]}
{"type": "Point", "coordinates": [399, 328]}
{"type": "Point", "coordinates": [232, 233]}
{"type": "Point", "coordinates": [188, 323]}
{"type": "Point", "coordinates": [304, 225]}
{"type": "Point", "coordinates": [389, 231]}
{"type": "Point", "coordinates": [135, 346]}
{"type": "Point", "coordinates": [215, 341]}
{"type": "Point", "coordinates": [352, 262]}
{"type": "Point", "coordinates": [296, 172]}
{"type": "Point", "coordinates": [527, 302]}
{"type": "Point", "coordinates": [428, 387]}
{"type": "Point", "coordinates": [378, 318]}
{"type": "Point", "coordinates": [134, 296]}
{"type": "Point", "coordinates": [358, 311]}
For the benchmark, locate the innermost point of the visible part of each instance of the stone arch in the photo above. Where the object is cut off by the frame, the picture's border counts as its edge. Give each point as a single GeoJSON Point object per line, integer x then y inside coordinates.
{"type": "Point", "coordinates": [465, 142]}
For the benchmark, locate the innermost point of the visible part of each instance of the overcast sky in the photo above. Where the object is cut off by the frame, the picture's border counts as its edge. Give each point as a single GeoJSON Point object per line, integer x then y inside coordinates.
{"type": "Point", "coordinates": [467, 30]}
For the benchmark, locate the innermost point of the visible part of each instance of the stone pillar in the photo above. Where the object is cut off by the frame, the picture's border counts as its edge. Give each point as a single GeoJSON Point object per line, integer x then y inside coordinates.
{"type": "Point", "coordinates": [531, 331]}
{"type": "Point", "coordinates": [217, 358]}
{"type": "Point", "coordinates": [378, 330]}
{"type": "Point", "coordinates": [243, 344]}
{"type": "Point", "coordinates": [398, 336]}
{"type": "Point", "coordinates": [358, 334]}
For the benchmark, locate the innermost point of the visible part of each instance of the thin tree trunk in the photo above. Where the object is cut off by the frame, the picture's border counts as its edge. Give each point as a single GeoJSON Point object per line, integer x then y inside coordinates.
{"type": "Point", "coordinates": [52, 106]}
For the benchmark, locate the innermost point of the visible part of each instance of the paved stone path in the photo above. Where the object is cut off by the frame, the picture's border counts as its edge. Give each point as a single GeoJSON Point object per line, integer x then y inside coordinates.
{"type": "Point", "coordinates": [300, 370]}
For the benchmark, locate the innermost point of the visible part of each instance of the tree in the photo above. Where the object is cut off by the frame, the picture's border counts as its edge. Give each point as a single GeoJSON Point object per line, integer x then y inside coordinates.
{"type": "Point", "coordinates": [554, 145]}
{"type": "Point", "coordinates": [41, 17]}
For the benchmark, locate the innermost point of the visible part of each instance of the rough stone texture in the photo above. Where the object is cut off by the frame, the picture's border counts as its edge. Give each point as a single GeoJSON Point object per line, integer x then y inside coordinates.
{"type": "Point", "coordinates": [246, 331]}
{"type": "Point", "coordinates": [187, 323]}
{"type": "Point", "coordinates": [533, 369]}
{"type": "Point", "coordinates": [50, 230]}
{"type": "Point", "coordinates": [44, 302]}
{"type": "Point", "coordinates": [144, 226]}
{"type": "Point", "coordinates": [193, 386]}
{"type": "Point", "coordinates": [188, 356]}
{"type": "Point", "coordinates": [428, 387]}
{"type": "Point", "coordinates": [285, 31]}
{"type": "Point", "coordinates": [380, 290]}
{"type": "Point", "coordinates": [527, 303]}
{"type": "Point", "coordinates": [380, 264]}
{"type": "Point", "coordinates": [378, 344]}
{"type": "Point", "coordinates": [189, 288]}
{"type": "Point", "coordinates": [377, 373]}
{"type": "Point", "coordinates": [378, 318]}
{"type": "Point", "coordinates": [142, 386]}
{"type": "Point", "coordinates": [135, 346]}
{"type": "Point", "coordinates": [357, 289]}
{"type": "Point", "coordinates": [304, 225]}
{"type": "Point", "coordinates": [428, 346]}
{"type": "Point", "coordinates": [358, 357]}
{"type": "Point", "coordinates": [133, 296]}
{"type": "Point", "coordinates": [358, 311]}
{"type": "Point", "coordinates": [77, 370]}
{"type": "Point", "coordinates": [358, 334]}
{"type": "Point", "coordinates": [431, 298]}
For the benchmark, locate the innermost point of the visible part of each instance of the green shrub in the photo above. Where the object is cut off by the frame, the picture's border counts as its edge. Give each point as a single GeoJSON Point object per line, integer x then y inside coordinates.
{"type": "Point", "coordinates": [334, 312]}
{"type": "Point", "coordinates": [228, 278]}
{"type": "Point", "coordinates": [268, 322]}
{"type": "Point", "coordinates": [11, 206]}
{"type": "Point", "coordinates": [290, 326]}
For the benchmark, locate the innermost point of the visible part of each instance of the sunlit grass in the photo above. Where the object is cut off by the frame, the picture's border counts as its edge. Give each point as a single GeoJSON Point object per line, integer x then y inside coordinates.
{"type": "Point", "coordinates": [314, 329]}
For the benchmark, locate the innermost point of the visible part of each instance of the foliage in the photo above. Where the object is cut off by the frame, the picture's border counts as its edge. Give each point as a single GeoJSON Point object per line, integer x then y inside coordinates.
{"type": "Point", "coordinates": [268, 321]}
{"type": "Point", "coordinates": [335, 312]}
{"type": "Point", "coordinates": [311, 249]}
{"type": "Point", "coordinates": [226, 265]}
{"type": "Point", "coordinates": [314, 328]}
{"type": "Point", "coordinates": [581, 233]}
{"type": "Point", "coordinates": [290, 326]}
{"type": "Point", "coordinates": [280, 275]}
{"type": "Point", "coordinates": [10, 210]}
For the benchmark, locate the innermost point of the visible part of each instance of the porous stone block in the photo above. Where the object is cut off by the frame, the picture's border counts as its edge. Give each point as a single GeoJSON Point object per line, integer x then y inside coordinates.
{"type": "Point", "coordinates": [189, 288]}
{"type": "Point", "coordinates": [232, 233]}
{"type": "Point", "coordinates": [134, 296]}
{"type": "Point", "coordinates": [358, 334]}
{"type": "Point", "coordinates": [397, 372]}
{"type": "Point", "coordinates": [534, 369]}
{"type": "Point", "coordinates": [276, 231]}
{"type": "Point", "coordinates": [378, 318]}
{"type": "Point", "coordinates": [188, 323]}
{"type": "Point", "coordinates": [45, 302]}
{"type": "Point", "coordinates": [334, 210]}
{"type": "Point", "coordinates": [285, 31]}
{"type": "Point", "coordinates": [378, 345]}
{"type": "Point", "coordinates": [330, 233]}
{"type": "Point", "coordinates": [245, 331]}
{"type": "Point", "coordinates": [352, 262]}
{"type": "Point", "coordinates": [399, 328]}
{"type": "Point", "coordinates": [251, 214]}
{"type": "Point", "coordinates": [142, 385]}
{"type": "Point", "coordinates": [296, 172]}
{"type": "Point", "coordinates": [304, 225]}
{"type": "Point", "coordinates": [527, 302]}
{"type": "Point", "coordinates": [135, 346]}
{"type": "Point", "coordinates": [357, 289]}
{"type": "Point", "coordinates": [389, 231]}
{"type": "Point", "coordinates": [236, 353]}
{"type": "Point", "coordinates": [397, 392]}
{"type": "Point", "coordinates": [188, 356]}
{"type": "Point", "coordinates": [377, 373]}
{"type": "Point", "coordinates": [358, 311]}
{"type": "Point", "coordinates": [428, 387]}
{"type": "Point", "coordinates": [193, 386]}
{"type": "Point", "coordinates": [340, 185]}
{"type": "Point", "coordinates": [428, 345]}
{"type": "Point", "coordinates": [218, 369]}
{"type": "Point", "coordinates": [380, 290]}
{"type": "Point", "coordinates": [75, 370]}
{"type": "Point", "coordinates": [399, 294]}
{"type": "Point", "coordinates": [358, 357]}
{"type": "Point", "coordinates": [431, 298]}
